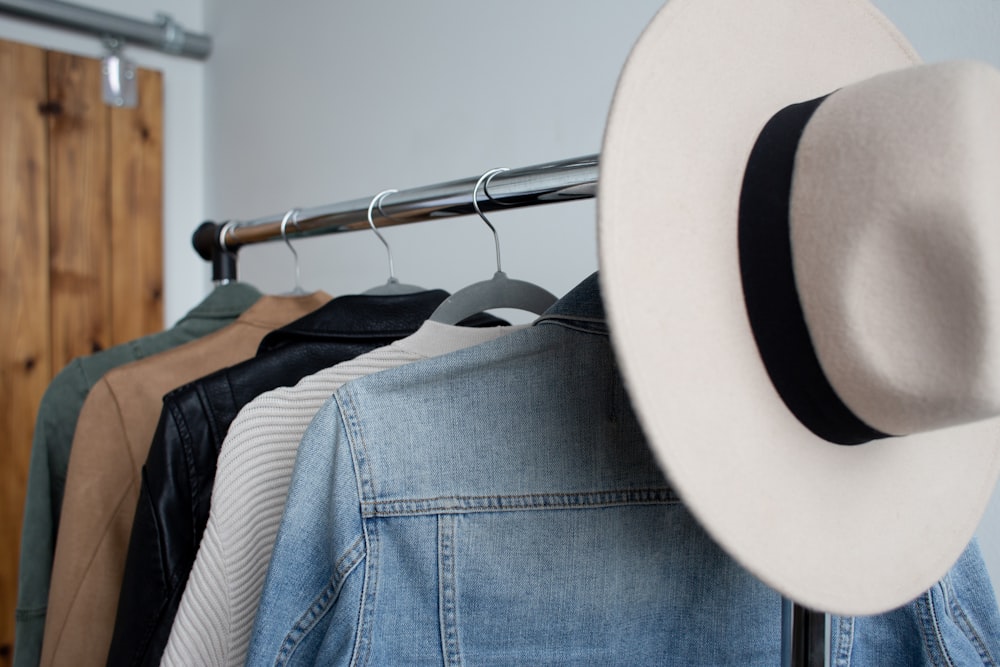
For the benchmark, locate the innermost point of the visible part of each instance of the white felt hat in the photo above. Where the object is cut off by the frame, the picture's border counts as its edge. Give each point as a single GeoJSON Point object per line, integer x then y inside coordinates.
{"type": "Point", "coordinates": [811, 337]}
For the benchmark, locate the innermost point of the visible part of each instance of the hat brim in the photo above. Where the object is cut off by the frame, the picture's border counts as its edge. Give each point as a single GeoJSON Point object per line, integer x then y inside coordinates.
{"type": "Point", "coordinates": [847, 530]}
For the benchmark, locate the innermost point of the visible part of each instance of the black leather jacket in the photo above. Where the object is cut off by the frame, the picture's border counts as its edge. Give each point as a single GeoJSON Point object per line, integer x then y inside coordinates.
{"type": "Point", "coordinates": [178, 476]}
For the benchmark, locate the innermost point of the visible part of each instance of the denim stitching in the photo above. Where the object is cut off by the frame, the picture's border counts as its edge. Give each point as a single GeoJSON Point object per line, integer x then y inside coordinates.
{"type": "Point", "coordinates": [448, 609]}
{"type": "Point", "coordinates": [502, 503]}
{"type": "Point", "coordinates": [937, 628]}
{"type": "Point", "coordinates": [321, 604]}
{"type": "Point", "coordinates": [557, 318]}
{"type": "Point", "coordinates": [965, 623]}
{"type": "Point", "coordinates": [930, 632]}
{"type": "Point", "coordinates": [359, 447]}
{"type": "Point", "coordinates": [844, 642]}
{"type": "Point", "coordinates": [363, 638]}
{"type": "Point", "coordinates": [596, 327]}
{"type": "Point", "coordinates": [359, 453]}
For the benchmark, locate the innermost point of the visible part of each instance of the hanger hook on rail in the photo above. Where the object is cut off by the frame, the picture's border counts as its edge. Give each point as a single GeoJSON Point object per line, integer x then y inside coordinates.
{"type": "Point", "coordinates": [377, 201]}
{"type": "Point", "coordinates": [293, 217]}
{"type": "Point", "coordinates": [484, 182]}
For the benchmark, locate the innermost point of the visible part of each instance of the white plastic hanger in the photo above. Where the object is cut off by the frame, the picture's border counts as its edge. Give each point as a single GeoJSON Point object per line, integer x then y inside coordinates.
{"type": "Point", "coordinates": [293, 217]}
{"type": "Point", "coordinates": [391, 286]}
{"type": "Point", "coordinates": [497, 292]}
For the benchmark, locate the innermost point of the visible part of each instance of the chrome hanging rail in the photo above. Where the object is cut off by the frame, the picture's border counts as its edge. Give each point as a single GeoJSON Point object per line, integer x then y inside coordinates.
{"type": "Point", "coordinates": [164, 35]}
{"type": "Point", "coordinates": [552, 182]}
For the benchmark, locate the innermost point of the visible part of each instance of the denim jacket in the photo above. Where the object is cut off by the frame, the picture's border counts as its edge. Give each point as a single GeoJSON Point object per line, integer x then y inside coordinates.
{"type": "Point", "coordinates": [499, 506]}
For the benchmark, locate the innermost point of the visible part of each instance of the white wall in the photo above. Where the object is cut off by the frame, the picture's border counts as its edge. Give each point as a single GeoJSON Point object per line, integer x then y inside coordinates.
{"type": "Point", "coordinates": [317, 102]}
{"type": "Point", "coordinates": [184, 120]}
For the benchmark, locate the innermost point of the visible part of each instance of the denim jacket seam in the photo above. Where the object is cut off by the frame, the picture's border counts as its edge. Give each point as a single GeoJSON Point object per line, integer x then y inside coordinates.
{"type": "Point", "coordinates": [517, 502]}
{"type": "Point", "coordinates": [358, 444]}
{"type": "Point", "coordinates": [598, 327]}
{"type": "Point", "coordinates": [930, 630]}
{"type": "Point", "coordinates": [969, 630]}
{"type": "Point", "coordinates": [361, 653]}
{"type": "Point", "coordinates": [321, 604]}
{"type": "Point", "coordinates": [447, 591]}
{"type": "Point", "coordinates": [369, 590]}
{"type": "Point", "coordinates": [844, 642]}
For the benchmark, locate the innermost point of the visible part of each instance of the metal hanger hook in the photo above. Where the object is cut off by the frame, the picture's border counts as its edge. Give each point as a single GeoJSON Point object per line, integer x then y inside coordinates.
{"type": "Point", "coordinates": [484, 182]}
{"type": "Point", "coordinates": [293, 217]}
{"type": "Point", "coordinates": [377, 201]}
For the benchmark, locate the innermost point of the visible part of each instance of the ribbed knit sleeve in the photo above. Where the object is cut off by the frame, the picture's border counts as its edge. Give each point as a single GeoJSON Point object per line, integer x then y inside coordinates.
{"type": "Point", "coordinates": [216, 613]}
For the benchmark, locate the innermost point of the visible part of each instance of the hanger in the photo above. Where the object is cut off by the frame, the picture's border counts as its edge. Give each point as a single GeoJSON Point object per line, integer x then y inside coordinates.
{"type": "Point", "coordinates": [497, 292]}
{"type": "Point", "coordinates": [293, 216]}
{"type": "Point", "coordinates": [391, 286]}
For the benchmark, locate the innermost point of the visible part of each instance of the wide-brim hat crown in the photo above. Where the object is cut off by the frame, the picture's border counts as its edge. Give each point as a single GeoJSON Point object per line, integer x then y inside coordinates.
{"type": "Point", "coordinates": [800, 258]}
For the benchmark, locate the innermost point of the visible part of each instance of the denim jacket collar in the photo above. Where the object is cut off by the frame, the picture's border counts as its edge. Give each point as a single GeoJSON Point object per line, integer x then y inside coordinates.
{"type": "Point", "coordinates": [581, 308]}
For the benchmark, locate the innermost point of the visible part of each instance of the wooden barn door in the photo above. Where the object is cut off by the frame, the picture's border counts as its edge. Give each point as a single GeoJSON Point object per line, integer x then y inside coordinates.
{"type": "Point", "coordinates": [81, 263]}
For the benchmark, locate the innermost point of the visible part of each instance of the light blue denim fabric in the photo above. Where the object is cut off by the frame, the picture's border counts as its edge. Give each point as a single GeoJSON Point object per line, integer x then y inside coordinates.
{"type": "Point", "coordinates": [955, 623]}
{"type": "Point", "coordinates": [499, 506]}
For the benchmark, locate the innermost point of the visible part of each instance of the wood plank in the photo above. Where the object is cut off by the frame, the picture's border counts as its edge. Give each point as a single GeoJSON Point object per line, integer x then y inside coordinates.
{"type": "Point", "coordinates": [79, 214]}
{"type": "Point", "coordinates": [24, 287]}
{"type": "Point", "coordinates": [137, 213]}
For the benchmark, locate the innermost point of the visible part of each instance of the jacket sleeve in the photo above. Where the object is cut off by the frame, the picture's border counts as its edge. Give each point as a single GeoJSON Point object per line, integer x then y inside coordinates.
{"type": "Point", "coordinates": [163, 543]}
{"type": "Point", "coordinates": [316, 574]}
{"type": "Point", "coordinates": [92, 534]}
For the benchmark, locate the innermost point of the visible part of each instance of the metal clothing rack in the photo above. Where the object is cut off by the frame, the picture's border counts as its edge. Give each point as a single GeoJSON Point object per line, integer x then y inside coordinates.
{"type": "Point", "coordinates": [552, 182]}
{"type": "Point", "coordinates": [803, 633]}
